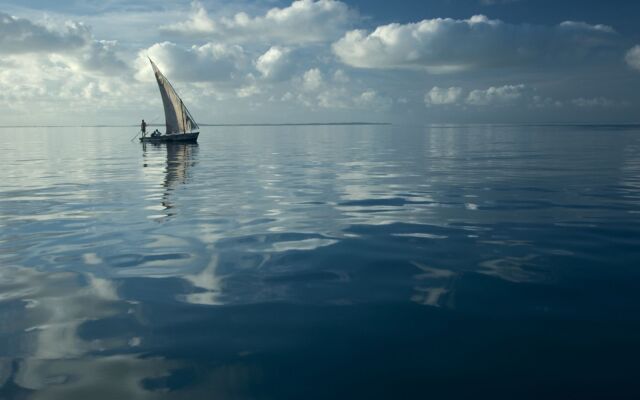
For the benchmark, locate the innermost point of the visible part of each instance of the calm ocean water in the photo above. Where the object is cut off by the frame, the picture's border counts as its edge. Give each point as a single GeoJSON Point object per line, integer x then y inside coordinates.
{"type": "Point", "coordinates": [321, 262]}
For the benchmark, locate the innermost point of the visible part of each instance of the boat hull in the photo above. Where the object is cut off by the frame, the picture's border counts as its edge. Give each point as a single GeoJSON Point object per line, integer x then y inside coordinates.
{"type": "Point", "coordinates": [190, 137]}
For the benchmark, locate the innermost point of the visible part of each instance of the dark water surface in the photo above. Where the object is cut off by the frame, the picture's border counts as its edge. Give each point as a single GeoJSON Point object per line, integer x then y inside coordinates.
{"type": "Point", "coordinates": [321, 262]}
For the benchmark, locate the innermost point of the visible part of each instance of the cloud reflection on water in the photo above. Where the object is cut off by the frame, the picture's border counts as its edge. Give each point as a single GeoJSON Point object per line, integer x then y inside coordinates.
{"type": "Point", "coordinates": [254, 256]}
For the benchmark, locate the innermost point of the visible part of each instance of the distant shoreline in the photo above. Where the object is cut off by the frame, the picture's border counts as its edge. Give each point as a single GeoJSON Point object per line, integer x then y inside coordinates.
{"type": "Point", "coordinates": [257, 124]}
{"type": "Point", "coordinates": [304, 124]}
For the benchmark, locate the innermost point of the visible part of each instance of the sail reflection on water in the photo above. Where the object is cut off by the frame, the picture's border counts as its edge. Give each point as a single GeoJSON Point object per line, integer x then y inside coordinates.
{"type": "Point", "coordinates": [180, 157]}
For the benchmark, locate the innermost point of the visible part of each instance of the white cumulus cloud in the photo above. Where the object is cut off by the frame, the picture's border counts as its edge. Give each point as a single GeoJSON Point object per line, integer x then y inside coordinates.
{"type": "Point", "coordinates": [72, 44]}
{"type": "Point", "coordinates": [443, 96]}
{"type": "Point", "coordinates": [446, 45]}
{"type": "Point", "coordinates": [633, 57]}
{"type": "Point", "coordinates": [101, 55]}
{"type": "Point", "coordinates": [19, 35]}
{"type": "Point", "coordinates": [52, 67]}
{"type": "Point", "coordinates": [370, 99]}
{"type": "Point", "coordinates": [342, 98]}
{"type": "Point", "coordinates": [507, 94]}
{"type": "Point", "coordinates": [197, 23]}
{"type": "Point", "coordinates": [340, 76]}
{"type": "Point", "coordinates": [493, 96]}
{"type": "Point", "coordinates": [312, 79]}
{"type": "Point", "coordinates": [304, 21]}
{"type": "Point", "coordinates": [209, 62]}
{"type": "Point", "coordinates": [274, 63]}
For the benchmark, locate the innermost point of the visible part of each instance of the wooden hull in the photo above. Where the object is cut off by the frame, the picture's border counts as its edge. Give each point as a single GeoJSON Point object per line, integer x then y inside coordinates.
{"type": "Point", "coordinates": [190, 137]}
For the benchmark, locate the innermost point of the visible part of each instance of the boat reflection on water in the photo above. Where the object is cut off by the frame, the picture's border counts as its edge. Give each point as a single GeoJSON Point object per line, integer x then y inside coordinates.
{"type": "Point", "coordinates": [180, 157]}
{"type": "Point", "coordinates": [176, 254]}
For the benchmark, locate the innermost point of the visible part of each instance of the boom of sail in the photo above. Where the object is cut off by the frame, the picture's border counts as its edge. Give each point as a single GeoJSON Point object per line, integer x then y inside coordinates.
{"type": "Point", "coordinates": [177, 116]}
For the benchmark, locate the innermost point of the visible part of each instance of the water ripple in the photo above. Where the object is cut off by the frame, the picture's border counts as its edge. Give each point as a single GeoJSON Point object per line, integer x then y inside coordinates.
{"type": "Point", "coordinates": [190, 271]}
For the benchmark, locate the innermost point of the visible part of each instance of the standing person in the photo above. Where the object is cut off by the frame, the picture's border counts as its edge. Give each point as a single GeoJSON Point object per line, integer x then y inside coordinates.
{"type": "Point", "coordinates": [143, 128]}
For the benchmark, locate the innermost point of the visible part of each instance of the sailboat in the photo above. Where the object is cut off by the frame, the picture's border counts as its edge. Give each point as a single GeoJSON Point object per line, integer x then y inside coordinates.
{"type": "Point", "coordinates": [180, 125]}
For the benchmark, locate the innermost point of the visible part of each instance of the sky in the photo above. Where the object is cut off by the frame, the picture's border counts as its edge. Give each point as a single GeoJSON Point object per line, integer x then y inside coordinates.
{"type": "Point", "coordinates": [271, 61]}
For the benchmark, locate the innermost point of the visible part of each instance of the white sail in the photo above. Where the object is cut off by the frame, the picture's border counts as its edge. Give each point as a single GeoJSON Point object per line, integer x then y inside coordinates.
{"type": "Point", "coordinates": [178, 119]}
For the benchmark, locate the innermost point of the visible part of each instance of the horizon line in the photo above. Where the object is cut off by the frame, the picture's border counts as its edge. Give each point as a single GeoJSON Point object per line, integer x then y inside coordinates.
{"type": "Point", "coordinates": [433, 125]}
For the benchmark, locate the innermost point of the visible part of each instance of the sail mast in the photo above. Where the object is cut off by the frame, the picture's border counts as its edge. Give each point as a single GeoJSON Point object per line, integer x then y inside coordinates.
{"type": "Point", "coordinates": [184, 122]}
